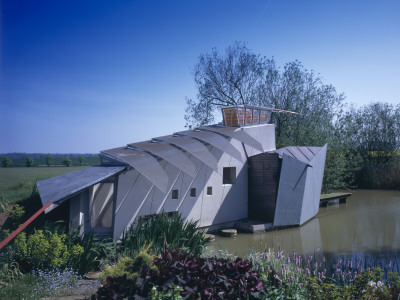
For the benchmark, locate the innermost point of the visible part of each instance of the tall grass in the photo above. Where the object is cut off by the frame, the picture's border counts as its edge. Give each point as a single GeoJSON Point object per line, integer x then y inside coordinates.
{"type": "Point", "coordinates": [160, 229]}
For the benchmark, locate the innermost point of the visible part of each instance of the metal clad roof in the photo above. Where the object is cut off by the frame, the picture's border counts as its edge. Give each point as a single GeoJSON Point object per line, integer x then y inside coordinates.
{"type": "Point", "coordinates": [59, 188]}
{"type": "Point", "coordinates": [144, 163]}
{"type": "Point", "coordinates": [215, 140]}
{"type": "Point", "coordinates": [304, 154]}
{"type": "Point", "coordinates": [237, 134]}
{"type": "Point", "coordinates": [194, 147]}
{"type": "Point", "coordinates": [170, 154]}
{"type": "Point", "coordinates": [298, 154]}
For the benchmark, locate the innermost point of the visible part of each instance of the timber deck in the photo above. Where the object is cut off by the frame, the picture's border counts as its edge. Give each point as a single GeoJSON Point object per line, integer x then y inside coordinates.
{"type": "Point", "coordinates": [325, 198]}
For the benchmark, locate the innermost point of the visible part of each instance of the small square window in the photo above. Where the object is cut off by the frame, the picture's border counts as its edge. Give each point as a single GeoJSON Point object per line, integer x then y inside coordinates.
{"type": "Point", "coordinates": [209, 190]}
{"type": "Point", "coordinates": [193, 192]}
{"type": "Point", "coordinates": [175, 194]}
{"type": "Point", "coordinates": [229, 175]}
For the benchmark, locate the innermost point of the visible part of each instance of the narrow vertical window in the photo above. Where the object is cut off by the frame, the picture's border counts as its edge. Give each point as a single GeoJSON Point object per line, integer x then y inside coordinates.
{"type": "Point", "coordinates": [229, 175]}
{"type": "Point", "coordinates": [209, 190]}
{"type": "Point", "coordinates": [193, 192]}
{"type": "Point", "coordinates": [175, 194]}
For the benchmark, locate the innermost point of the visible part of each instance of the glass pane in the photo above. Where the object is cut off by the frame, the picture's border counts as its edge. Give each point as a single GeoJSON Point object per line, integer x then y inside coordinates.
{"type": "Point", "coordinates": [256, 116]}
{"type": "Point", "coordinates": [101, 205]}
{"type": "Point", "coordinates": [230, 117]}
{"type": "Point", "coordinates": [265, 116]}
{"type": "Point", "coordinates": [249, 116]}
{"type": "Point", "coordinates": [240, 113]}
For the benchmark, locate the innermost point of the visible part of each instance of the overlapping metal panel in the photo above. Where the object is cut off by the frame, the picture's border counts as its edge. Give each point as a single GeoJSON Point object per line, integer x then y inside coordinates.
{"type": "Point", "coordinates": [237, 134]}
{"type": "Point", "coordinates": [299, 184]}
{"type": "Point", "coordinates": [304, 154]}
{"type": "Point", "coordinates": [215, 140]}
{"type": "Point", "coordinates": [59, 188]}
{"type": "Point", "coordinates": [144, 163]}
{"type": "Point", "coordinates": [170, 154]}
{"type": "Point", "coordinates": [194, 147]}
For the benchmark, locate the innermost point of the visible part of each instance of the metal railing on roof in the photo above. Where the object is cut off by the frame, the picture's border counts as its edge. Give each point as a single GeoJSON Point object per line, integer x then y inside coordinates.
{"type": "Point", "coordinates": [246, 115]}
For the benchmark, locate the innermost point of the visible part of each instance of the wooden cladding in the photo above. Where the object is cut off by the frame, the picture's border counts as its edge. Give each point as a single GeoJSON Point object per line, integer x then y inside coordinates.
{"type": "Point", "coordinates": [264, 173]}
{"type": "Point", "coordinates": [244, 115]}
{"type": "Point", "coordinates": [230, 117]}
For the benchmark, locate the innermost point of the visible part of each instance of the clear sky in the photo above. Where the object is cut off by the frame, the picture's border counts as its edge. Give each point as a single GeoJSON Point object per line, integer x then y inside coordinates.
{"type": "Point", "coordinates": [84, 76]}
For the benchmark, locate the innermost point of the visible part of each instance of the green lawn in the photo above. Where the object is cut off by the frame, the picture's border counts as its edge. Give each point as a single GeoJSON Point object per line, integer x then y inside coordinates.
{"type": "Point", "coordinates": [16, 184]}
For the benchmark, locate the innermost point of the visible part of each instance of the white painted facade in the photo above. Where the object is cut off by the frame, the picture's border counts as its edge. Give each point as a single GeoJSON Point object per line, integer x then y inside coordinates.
{"type": "Point", "coordinates": [184, 173]}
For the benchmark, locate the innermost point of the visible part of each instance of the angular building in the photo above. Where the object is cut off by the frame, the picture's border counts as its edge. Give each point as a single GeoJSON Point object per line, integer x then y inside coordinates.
{"type": "Point", "coordinates": [208, 174]}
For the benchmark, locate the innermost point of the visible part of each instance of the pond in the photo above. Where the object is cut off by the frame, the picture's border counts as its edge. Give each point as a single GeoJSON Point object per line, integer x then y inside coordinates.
{"type": "Point", "coordinates": [367, 225]}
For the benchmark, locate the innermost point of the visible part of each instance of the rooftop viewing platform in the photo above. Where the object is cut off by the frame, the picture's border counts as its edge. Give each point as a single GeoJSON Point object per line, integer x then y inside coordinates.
{"type": "Point", "coordinates": [246, 115]}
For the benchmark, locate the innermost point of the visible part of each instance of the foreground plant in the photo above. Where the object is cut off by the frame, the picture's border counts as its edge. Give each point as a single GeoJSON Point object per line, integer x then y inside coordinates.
{"type": "Point", "coordinates": [192, 277]}
{"type": "Point", "coordinates": [282, 274]}
{"type": "Point", "coordinates": [159, 228]}
{"type": "Point", "coordinates": [53, 283]}
{"type": "Point", "coordinates": [9, 273]}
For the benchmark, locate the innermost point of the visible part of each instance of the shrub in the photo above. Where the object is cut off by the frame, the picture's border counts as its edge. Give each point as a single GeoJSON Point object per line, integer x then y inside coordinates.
{"type": "Point", "coordinates": [4, 204]}
{"type": "Point", "coordinates": [29, 161]}
{"type": "Point", "coordinates": [124, 278]}
{"type": "Point", "coordinates": [129, 267]}
{"type": "Point", "coordinates": [6, 161]}
{"type": "Point", "coordinates": [317, 289]}
{"type": "Point", "coordinates": [17, 215]}
{"type": "Point", "coordinates": [67, 162]}
{"type": "Point", "coordinates": [197, 277]}
{"type": "Point", "coordinates": [45, 249]}
{"type": "Point", "coordinates": [206, 277]}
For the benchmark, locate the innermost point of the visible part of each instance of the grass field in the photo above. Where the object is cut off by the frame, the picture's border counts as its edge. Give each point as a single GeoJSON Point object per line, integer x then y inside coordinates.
{"type": "Point", "coordinates": [16, 184]}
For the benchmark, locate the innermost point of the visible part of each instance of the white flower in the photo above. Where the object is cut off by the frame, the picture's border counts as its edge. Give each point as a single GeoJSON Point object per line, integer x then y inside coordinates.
{"type": "Point", "coordinates": [372, 283]}
{"type": "Point", "coordinates": [380, 284]}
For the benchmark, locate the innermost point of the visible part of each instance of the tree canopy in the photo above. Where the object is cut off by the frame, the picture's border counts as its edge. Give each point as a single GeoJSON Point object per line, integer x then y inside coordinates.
{"type": "Point", "coordinates": [239, 76]}
{"type": "Point", "coordinates": [358, 138]}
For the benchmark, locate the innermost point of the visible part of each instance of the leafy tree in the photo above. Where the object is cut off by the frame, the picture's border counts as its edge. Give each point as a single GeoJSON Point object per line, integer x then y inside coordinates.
{"type": "Point", "coordinates": [48, 159]}
{"type": "Point", "coordinates": [29, 161]}
{"type": "Point", "coordinates": [241, 77]}
{"type": "Point", "coordinates": [373, 131]}
{"type": "Point", "coordinates": [81, 159]}
{"type": "Point", "coordinates": [67, 162]}
{"type": "Point", "coordinates": [222, 79]}
{"type": "Point", "coordinates": [359, 140]}
{"type": "Point", "coordinates": [296, 89]}
{"type": "Point", "coordinates": [6, 161]}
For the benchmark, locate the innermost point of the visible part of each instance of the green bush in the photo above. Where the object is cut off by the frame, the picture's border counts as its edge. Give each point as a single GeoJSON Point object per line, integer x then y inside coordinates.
{"type": "Point", "coordinates": [45, 250]}
{"type": "Point", "coordinates": [6, 161]}
{"type": "Point", "coordinates": [29, 161]}
{"type": "Point", "coordinates": [17, 215]}
{"type": "Point", "coordinates": [317, 289]}
{"type": "Point", "coordinates": [4, 204]}
{"type": "Point", "coordinates": [129, 267]}
{"type": "Point", "coordinates": [67, 162]}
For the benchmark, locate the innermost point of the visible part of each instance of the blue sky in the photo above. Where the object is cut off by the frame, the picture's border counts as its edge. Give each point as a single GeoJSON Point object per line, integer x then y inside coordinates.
{"type": "Point", "coordinates": [84, 76]}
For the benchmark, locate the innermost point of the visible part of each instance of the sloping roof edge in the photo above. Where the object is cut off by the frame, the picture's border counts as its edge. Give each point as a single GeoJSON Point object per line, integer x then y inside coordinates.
{"type": "Point", "coordinates": [60, 188]}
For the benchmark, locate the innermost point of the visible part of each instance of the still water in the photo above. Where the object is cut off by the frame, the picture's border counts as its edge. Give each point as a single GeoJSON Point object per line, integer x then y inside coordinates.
{"type": "Point", "coordinates": [368, 224]}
